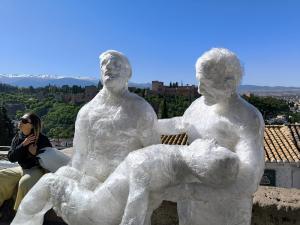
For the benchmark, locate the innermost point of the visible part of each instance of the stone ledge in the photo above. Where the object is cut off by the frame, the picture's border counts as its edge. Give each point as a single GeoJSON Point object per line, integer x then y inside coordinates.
{"type": "Point", "coordinates": [281, 198]}
{"type": "Point", "coordinates": [276, 206]}
{"type": "Point", "coordinates": [271, 206]}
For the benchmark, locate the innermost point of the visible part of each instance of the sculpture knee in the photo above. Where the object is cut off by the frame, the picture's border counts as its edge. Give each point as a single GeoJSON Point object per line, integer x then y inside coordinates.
{"type": "Point", "coordinates": [70, 172]}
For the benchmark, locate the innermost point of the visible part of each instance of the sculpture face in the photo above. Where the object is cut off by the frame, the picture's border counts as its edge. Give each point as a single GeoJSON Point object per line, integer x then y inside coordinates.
{"type": "Point", "coordinates": [219, 71]}
{"type": "Point", "coordinates": [112, 70]}
{"type": "Point", "coordinates": [215, 88]}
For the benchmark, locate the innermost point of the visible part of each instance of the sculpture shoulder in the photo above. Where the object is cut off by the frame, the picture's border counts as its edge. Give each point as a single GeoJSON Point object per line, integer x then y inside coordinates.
{"type": "Point", "coordinates": [194, 107]}
{"type": "Point", "coordinates": [251, 116]}
{"type": "Point", "coordinates": [139, 105]}
{"type": "Point", "coordinates": [84, 110]}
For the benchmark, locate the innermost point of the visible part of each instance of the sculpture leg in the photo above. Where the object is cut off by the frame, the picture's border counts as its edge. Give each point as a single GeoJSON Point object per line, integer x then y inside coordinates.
{"type": "Point", "coordinates": [154, 202]}
{"type": "Point", "coordinates": [69, 172]}
{"type": "Point", "coordinates": [138, 197]}
{"type": "Point", "coordinates": [35, 204]}
{"type": "Point", "coordinates": [231, 211]}
{"type": "Point", "coordinates": [137, 201]}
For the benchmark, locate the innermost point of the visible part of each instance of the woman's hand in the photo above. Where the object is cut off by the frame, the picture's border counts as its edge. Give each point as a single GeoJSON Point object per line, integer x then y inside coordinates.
{"type": "Point", "coordinates": [29, 140]}
{"type": "Point", "coordinates": [32, 149]}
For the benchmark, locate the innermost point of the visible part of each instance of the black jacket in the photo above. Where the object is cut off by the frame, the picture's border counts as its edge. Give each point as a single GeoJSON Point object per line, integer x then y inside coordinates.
{"type": "Point", "coordinates": [21, 154]}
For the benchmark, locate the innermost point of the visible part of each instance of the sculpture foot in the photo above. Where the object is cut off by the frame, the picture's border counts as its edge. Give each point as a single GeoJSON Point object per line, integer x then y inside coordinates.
{"type": "Point", "coordinates": [23, 218]}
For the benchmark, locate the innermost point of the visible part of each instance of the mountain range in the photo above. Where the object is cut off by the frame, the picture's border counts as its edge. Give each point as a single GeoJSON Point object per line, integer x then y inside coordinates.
{"type": "Point", "coordinates": [25, 80]}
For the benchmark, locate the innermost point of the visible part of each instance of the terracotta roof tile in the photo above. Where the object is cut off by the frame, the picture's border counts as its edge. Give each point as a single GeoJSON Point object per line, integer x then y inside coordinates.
{"type": "Point", "coordinates": [178, 139]}
{"type": "Point", "coordinates": [281, 143]}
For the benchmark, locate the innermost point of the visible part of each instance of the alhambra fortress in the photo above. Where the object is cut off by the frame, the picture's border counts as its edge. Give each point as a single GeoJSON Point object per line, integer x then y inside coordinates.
{"type": "Point", "coordinates": [183, 90]}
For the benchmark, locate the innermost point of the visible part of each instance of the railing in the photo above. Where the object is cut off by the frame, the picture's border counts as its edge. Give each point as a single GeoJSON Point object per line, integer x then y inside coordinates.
{"type": "Point", "coordinates": [4, 148]}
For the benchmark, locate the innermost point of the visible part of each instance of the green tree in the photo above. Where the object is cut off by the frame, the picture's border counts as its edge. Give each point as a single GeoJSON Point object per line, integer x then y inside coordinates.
{"type": "Point", "coordinates": [6, 127]}
{"type": "Point", "coordinates": [269, 106]}
{"type": "Point", "coordinates": [60, 120]}
{"type": "Point", "coordinates": [163, 110]}
{"type": "Point", "coordinates": [294, 117]}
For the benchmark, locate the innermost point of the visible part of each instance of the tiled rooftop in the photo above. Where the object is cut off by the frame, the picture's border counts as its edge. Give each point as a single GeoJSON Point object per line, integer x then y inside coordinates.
{"type": "Point", "coordinates": [179, 139]}
{"type": "Point", "coordinates": [281, 143]}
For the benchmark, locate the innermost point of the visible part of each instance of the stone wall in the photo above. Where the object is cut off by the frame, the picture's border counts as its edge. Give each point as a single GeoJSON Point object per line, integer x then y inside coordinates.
{"type": "Point", "coordinates": [287, 174]}
{"type": "Point", "coordinates": [276, 206]}
{"type": "Point", "coordinates": [283, 174]}
{"type": "Point", "coordinates": [271, 206]}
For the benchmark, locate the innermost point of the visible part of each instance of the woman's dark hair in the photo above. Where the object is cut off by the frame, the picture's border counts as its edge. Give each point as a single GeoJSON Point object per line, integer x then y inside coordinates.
{"type": "Point", "coordinates": [36, 124]}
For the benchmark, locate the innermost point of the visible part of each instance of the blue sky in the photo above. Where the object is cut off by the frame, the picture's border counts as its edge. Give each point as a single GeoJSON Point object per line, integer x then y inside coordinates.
{"type": "Point", "coordinates": [162, 38]}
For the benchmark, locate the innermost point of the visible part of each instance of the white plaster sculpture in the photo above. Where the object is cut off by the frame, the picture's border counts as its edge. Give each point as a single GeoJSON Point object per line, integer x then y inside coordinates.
{"type": "Point", "coordinates": [213, 179]}
{"type": "Point", "coordinates": [114, 123]}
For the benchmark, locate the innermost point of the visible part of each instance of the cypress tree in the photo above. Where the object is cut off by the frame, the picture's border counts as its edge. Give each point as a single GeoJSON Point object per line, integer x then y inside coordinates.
{"type": "Point", "coordinates": [6, 127]}
{"type": "Point", "coordinates": [163, 109]}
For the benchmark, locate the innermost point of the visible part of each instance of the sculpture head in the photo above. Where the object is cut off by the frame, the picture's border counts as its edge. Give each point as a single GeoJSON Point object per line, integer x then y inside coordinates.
{"type": "Point", "coordinates": [115, 70]}
{"type": "Point", "coordinates": [219, 72]}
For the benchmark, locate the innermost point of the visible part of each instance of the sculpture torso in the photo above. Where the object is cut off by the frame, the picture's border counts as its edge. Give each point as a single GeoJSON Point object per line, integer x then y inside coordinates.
{"type": "Point", "coordinates": [210, 125]}
{"type": "Point", "coordinates": [113, 129]}
{"type": "Point", "coordinates": [234, 129]}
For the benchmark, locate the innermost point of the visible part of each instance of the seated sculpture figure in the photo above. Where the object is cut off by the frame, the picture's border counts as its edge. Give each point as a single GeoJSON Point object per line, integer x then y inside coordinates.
{"type": "Point", "coordinates": [107, 128]}
{"type": "Point", "coordinates": [236, 125]}
{"type": "Point", "coordinates": [217, 173]}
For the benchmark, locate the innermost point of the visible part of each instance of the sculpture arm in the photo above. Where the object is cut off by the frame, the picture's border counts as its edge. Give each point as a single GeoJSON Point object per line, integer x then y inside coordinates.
{"type": "Point", "coordinates": [211, 163]}
{"type": "Point", "coordinates": [179, 124]}
{"type": "Point", "coordinates": [148, 127]}
{"type": "Point", "coordinates": [150, 137]}
{"type": "Point", "coordinates": [81, 138]}
{"type": "Point", "coordinates": [171, 126]}
{"type": "Point", "coordinates": [252, 162]}
{"type": "Point", "coordinates": [244, 161]}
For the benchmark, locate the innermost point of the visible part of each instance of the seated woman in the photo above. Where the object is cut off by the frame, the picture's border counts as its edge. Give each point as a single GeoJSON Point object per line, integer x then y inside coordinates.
{"type": "Point", "coordinates": [25, 147]}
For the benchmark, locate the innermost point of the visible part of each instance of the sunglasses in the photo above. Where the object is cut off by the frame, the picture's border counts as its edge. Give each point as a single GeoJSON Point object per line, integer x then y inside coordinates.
{"type": "Point", "coordinates": [24, 121]}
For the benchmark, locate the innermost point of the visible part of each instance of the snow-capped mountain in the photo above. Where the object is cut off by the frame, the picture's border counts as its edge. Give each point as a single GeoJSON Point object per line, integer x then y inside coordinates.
{"type": "Point", "coordinates": [26, 80]}
{"type": "Point", "coordinates": [42, 80]}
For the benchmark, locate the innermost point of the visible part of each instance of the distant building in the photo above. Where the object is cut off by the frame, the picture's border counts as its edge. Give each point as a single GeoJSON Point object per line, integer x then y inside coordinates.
{"type": "Point", "coordinates": [90, 92]}
{"type": "Point", "coordinates": [279, 119]}
{"type": "Point", "coordinates": [282, 156]}
{"type": "Point", "coordinates": [184, 90]}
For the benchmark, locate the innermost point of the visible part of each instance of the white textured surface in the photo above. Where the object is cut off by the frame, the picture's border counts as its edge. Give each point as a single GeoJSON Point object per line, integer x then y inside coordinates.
{"type": "Point", "coordinates": [52, 159]}
{"type": "Point", "coordinates": [213, 179]}
{"type": "Point", "coordinates": [6, 164]}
